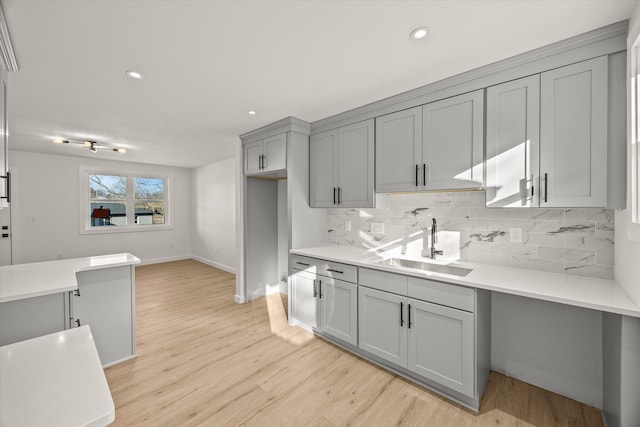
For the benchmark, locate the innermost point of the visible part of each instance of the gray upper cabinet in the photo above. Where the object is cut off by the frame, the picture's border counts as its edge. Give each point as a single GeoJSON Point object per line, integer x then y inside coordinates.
{"type": "Point", "coordinates": [398, 145]}
{"type": "Point", "coordinates": [437, 146]}
{"type": "Point", "coordinates": [266, 155]}
{"type": "Point", "coordinates": [574, 135]}
{"type": "Point", "coordinates": [547, 138]}
{"type": "Point", "coordinates": [513, 143]}
{"type": "Point", "coordinates": [452, 135]}
{"type": "Point", "coordinates": [341, 167]}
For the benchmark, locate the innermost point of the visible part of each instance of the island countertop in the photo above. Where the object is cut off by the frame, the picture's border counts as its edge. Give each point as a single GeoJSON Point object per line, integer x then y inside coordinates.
{"type": "Point", "coordinates": [44, 278]}
{"type": "Point", "coordinates": [54, 380]}
{"type": "Point", "coordinates": [586, 292]}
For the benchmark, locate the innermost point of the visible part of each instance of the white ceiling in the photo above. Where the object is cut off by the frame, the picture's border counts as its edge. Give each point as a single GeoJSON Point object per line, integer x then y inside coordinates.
{"type": "Point", "coordinates": [207, 62]}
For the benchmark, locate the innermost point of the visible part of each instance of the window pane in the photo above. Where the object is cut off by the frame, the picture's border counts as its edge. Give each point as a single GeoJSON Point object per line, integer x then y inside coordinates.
{"type": "Point", "coordinates": [149, 188]}
{"type": "Point", "coordinates": [103, 214]}
{"type": "Point", "coordinates": [150, 212]}
{"type": "Point", "coordinates": [108, 187]}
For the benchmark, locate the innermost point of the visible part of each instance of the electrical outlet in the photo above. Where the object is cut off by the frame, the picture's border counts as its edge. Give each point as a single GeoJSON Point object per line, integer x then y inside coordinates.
{"type": "Point", "coordinates": [283, 276]}
{"type": "Point", "coordinates": [515, 235]}
{"type": "Point", "coordinates": [347, 226]}
{"type": "Point", "coordinates": [377, 227]}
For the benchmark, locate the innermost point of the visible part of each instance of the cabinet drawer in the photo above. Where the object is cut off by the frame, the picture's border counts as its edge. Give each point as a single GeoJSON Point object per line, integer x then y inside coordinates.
{"type": "Point", "coordinates": [455, 296]}
{"type": "Point", "coordinates": [388, 282]}
{"type": "Point", "coordinates": [335, 270]}
{"type": "Point", "coordinates": [303, 263]}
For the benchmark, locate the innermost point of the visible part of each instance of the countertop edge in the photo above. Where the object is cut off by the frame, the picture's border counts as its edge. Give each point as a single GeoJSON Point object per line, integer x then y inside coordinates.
{"type": "Point", "coordinates": [76, 265]}
{"type": "Point", "coordinates": [627, 309]}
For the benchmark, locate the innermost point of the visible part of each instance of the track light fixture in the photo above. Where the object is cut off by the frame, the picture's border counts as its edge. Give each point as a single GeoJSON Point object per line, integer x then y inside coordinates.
{"type": "Point", "coordinates": [91, 145]}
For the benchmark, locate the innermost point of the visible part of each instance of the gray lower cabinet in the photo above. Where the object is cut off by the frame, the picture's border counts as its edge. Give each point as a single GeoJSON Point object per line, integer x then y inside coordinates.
{"type": "Point", "coordinates": [105, 302]}
{"type": "Point", "coordinates": [302, 298]}
{"type": "Point", "coordinates": [381, 321]}
{"type": "Point", "coordinates": [338, 305]}
{"type": "Point", "coordinates": [441, 345]}
{"type": "Point", "coordinates": [32, 317]}
{"type": "Point", "coordinates": [324, 297]}
{"type": "Point", "coordinates": [434, 341]}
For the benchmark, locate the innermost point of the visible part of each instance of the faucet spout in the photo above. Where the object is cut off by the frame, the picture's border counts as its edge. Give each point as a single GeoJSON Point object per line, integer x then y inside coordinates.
{"type": "Point", "coordinates": [434, 239]}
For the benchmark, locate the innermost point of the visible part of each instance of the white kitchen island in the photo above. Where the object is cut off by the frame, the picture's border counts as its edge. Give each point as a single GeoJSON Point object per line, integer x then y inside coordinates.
{"type": "Point", "coordinates": [54, 380]}
{"type": "Point", "coordinates": [46, 297]}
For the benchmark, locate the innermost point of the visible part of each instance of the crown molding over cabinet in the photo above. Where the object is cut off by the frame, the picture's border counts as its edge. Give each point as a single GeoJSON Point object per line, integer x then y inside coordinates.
{"type": "Point", "coordinates": [602, 41]}
{"type": "Point", "coordinates": [7, 55]}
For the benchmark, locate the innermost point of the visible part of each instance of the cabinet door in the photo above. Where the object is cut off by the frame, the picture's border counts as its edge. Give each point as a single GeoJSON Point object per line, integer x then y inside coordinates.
{"type": "Point", "coordinates": [302, 298]}
{"type": "Point", "coordinates": [452, 134]}
{"type": "Point", "coordinates": [398, 151]}
{"type": "Point", "coordinates": [513, 143]}
{"type": "Point", "coordinates": [32, 317]}
{"type": "Point", "coordinates": [252, 153]}
{"type": "Point", "coordinates": [381, 325]}
{"type": "Point", "coordinates": [275, 153]}
{"type": "Point", "coordinates": [106, 305]}
{"type": "Point", "coordinates": [573, 135]}
{"type": "Point", "coordinates": [355, 157]}
{"type": "Point", "coordinates": [441, 345]}
{"type": "Point", "coordinates": [338, 304]}
{"type": "Point", "coordinates": [323, 169]}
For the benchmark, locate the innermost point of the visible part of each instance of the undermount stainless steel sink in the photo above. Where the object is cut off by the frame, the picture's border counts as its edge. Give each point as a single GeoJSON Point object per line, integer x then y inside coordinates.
{"type": "Point", "coordinates": [427, 266]}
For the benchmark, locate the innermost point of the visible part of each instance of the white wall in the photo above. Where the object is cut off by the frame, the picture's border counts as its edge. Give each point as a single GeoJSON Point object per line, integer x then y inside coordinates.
{"type": "Point", "coordinates": [46, 189]}
{"type": "Point", "coordinates": [213, 233]}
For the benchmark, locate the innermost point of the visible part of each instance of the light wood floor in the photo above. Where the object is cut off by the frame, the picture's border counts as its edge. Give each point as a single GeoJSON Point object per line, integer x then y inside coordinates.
{"type": "Point", "coordinates": [203, 360]}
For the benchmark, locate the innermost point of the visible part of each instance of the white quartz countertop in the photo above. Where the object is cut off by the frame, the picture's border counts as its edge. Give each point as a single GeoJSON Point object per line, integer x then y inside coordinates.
{"type": "Point", "coordinates": [597, 294]}
{"type": "Point", "coordinates": [54, 380]}
{"type": "Point", "coordinates": [49, 277]}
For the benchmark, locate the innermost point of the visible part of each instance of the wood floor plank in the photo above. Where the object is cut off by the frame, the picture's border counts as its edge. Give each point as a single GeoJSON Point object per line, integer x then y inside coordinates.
{"type": "Point", "coordinates": [203, 360]}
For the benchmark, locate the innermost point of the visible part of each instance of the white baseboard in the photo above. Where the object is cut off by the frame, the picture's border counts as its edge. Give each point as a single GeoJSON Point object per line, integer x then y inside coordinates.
{"type": "Point", "coordinates": [214, 264]}
{"type": "Point", "coordinates": [167, 259]}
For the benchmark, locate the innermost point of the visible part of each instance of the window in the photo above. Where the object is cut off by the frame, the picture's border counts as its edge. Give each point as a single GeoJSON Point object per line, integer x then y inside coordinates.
{"type": "Point", "coordinates": [113, 202]}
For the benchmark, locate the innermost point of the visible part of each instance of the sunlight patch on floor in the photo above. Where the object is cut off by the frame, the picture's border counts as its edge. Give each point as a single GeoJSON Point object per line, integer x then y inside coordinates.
{"type": "Point", "coordinates": [279, 325]}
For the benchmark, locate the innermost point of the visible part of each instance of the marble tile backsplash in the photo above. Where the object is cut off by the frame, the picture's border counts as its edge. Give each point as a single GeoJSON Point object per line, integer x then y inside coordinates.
{"type": "Point", "coordinates": [576, 241]}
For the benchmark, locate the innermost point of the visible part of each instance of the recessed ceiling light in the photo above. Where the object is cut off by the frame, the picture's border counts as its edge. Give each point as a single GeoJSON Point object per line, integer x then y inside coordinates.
{"type": "Point", "coordinates": [251, 113]}
{"type": "Point", "coordinates": [419, 33]}
{"type": "Point", "coordinates": [134, 74]}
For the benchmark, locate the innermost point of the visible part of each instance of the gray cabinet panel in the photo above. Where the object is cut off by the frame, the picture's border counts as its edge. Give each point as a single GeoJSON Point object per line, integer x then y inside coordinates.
{"type": "Point", "coordinates": [355, 181]}
{"type": "Point", "coordinates": [323, 168]}
{"type": "Point", "coordinates": [275, 153]}
{"type": "Point", "coordinates": [32, 317]}
{"type": "Point", "coordinates": [573, 135]}
{"type": "Point", "coordinates": [441, 345]}
{"type": "Point", "coordinates": [303, 299]}
{"type": "Point", "coordinates": [252, 153]}
{"type": "Point", "coordinates": [398, 145]}
{"type": "Point", "coordinates": [380, 332]}
{"type": "Point", "coordinates": [338, 303]}
{"type": "Point", "coordinates": [106, 304]}
{"type": "Point", "coordinates": [341, 167]}
{"type": "Point", "coordinates": [453, 142]}
{"type": "Point", "coordinates": [513, 143]}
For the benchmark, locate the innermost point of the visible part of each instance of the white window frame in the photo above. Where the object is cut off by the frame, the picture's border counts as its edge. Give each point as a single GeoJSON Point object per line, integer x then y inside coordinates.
{"type": "Point", "coordinates": [85, 201]}
{"type": "Point", "coordinates": [633, 151]}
